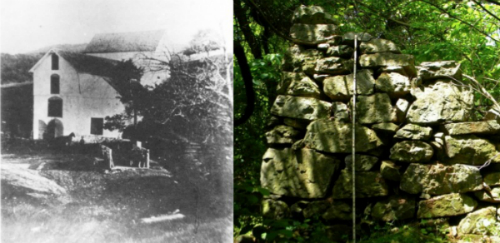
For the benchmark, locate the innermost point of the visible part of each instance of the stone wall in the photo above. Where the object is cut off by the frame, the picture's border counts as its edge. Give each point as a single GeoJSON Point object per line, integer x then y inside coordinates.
{"type": "Point", "coordinates": [419, 150]}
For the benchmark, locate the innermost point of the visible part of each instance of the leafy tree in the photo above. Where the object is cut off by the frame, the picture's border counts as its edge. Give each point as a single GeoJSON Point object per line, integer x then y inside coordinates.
{"type": "Point", "coordinates": [465, 31]}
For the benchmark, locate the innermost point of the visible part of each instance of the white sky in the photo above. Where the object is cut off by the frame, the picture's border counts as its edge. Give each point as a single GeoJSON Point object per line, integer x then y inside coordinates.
{"type": "Point", "coordinates": [27, 25]}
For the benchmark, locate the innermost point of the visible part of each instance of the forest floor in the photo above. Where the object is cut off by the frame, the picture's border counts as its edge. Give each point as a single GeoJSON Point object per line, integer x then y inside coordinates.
{"type": "Point", "coordinates": [107, 206]}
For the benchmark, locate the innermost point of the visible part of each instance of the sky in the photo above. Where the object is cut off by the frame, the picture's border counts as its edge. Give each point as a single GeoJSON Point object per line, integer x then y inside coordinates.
{"type": "Point", "coordinates": [28, 25]}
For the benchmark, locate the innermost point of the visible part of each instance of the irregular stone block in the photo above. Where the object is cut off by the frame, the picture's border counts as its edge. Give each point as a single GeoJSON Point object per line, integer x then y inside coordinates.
{"type": "Point", "coordinates": [338, 211]}
{"type": "Point", "coordinates": [296, 123]}
{"type": "Point", "coordinates": [348, 38]}
{"type": "Point", "coordinates": [390, 171]}
{"type": "Point", "coordinates": [333, 65]}
{"type": "Point", "coordinates": [414, 132]}
{"type": "Point", "coordinates": [368, 184]}
{"type": "Point", "coordinates": [340, 51]}
{"type": "Point", "coordinates": [275, 209]}
{"type": "Point", "coordinates": [304, 87]}
{"type": "Point", "coordinates": [402, 106]}
{"type": "Point", "coordinates": [492, 197]}
{"type": "Point", "coordinates": [430, 70]}
{"type": "Point", "coordinates": [411, 151]}
{"type": "Point", "coordinates": [312, 34]}
{"type": "Point", "coordinates": [304, 173]}
{"type": "Point", "coordinates": [299, 59]}
{"type": "Point", "coordinates": [311, 15]}
{"type": "Point", "coordinates": [480, 222]}
{"type": "Point", "coordinates": [376, 108]}
{"type": "Point", "coordinates": [336, 137]}
{"type": "Point", "coordinates": [340, 87]}
{"type": "Point", "coordinates": [482, 127]}
{"type": "Point", "coordinates": [469, 149]}
{"type": "Point", "coordinates": [394, 208]}
{"type": "Point", "coordinates": [386, 127]}
{"type": "Point", "coordinates": [362, 163]}
{"type": "Point", "coordinates": [439, 179]}
{"type": "Point", "coordinates": [378, 45]}
{"type": "Point", "coordinates": [388, 59]}
{"type": "Point", "coordinates": [492, 179]}
{"type": "Point", "coordinates": [340, 112]}
{"type": "Point", "coordinates": [440, 102]}
{"type": "Point", "coordinates": [282, 135]}
{"type": "Point", "coordinates": [393, 69]}
{"type": "Point", "coordinates": [286, 79]}
{"type": "Point", "coordinates": [446, 205]}
{"type": "Point", "coordinates": [394, 84]}
{"type": "Point", "coordinates": [300, 107]}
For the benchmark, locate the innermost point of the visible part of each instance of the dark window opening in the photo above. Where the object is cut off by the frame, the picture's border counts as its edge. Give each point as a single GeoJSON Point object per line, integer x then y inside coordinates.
{"type": "Point", "coordinates": [54, 84]}
{"type": "Point", "coordinates": [55, 107]}
{"type": "Point", "coordinates": [55, 62]}
{"type": "Point", "coordinates": [96, 126]}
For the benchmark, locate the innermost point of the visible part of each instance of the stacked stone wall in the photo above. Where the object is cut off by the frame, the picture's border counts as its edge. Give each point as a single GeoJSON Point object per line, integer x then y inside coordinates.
{"type": "Point", "coordinates": [420, 154]}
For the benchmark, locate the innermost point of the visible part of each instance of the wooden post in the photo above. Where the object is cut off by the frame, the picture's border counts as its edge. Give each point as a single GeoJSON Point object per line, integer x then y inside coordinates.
{"type": "Point", "coordinates": [110, 159]}
{"type": "Point", "coordinates": [147, 158]}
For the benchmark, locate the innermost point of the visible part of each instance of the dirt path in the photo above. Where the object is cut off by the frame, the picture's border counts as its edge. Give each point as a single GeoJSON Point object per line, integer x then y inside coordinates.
{"type": "Point", "coordinates": [107, 206]}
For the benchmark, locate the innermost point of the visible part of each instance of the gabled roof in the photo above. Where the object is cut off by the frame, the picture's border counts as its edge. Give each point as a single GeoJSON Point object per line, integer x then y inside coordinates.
{"type": "Point", "coordinates": [125, 42]}
{"type": "Point", "coordinates": [88, 64]}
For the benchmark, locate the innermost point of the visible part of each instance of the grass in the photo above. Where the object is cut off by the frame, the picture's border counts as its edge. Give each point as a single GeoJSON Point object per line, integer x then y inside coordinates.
{"type": "Point", "coordinates": [108, 207]}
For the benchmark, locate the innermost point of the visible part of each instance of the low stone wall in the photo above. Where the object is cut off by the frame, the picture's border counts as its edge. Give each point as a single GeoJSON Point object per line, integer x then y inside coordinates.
{"type": "Point", "coordinates": [420, 154]}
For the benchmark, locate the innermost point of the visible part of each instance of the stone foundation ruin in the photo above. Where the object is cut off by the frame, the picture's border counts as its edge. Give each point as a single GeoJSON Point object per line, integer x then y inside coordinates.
{"type": "Point", "coordinates": [420, 153]}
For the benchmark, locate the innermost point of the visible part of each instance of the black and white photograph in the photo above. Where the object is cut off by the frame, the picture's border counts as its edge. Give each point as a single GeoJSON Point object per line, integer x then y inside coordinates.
{"type": "Point", "coordinates": [116, 121]}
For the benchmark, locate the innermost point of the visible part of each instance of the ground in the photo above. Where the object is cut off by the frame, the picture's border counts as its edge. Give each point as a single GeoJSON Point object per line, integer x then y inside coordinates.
{"type": "Point", "coordinates": [107, 206]}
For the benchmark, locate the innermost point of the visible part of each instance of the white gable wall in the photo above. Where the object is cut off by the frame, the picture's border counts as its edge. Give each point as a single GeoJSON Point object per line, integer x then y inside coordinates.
{"type": "Point", "coordinates": [84, 97]}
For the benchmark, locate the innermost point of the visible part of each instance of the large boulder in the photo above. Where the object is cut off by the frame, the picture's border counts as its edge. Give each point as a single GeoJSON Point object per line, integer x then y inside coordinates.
{"type": "Point", "coordinates": [439, 179]}
{"type": "Point", "coordinates": [469, 149]}
{"type": "Point", "coordinates": [368, 184]}
{"type": "Point", "coordinates": [282, 134]}
{"type": "Point", "coordinates": [414, 132]}
{"type": "Point", "coordinates": [304, 87]}
{"type": "Point", "coordinates": [334, 65]}
{"type": "Point", "coordinates": [446, 206]}
{"type": "Point", "coordinates": [411, 151]}
{"type": "Point", "coordinates": [394, 208]}
{"type": "Point", "coordinates": [394, 84]}
{"type": "Point", "coordinates": [304, 173]}
{"type": "Point", "coordinates": [440, 69]}
{"type": "Point", "coordinates": [311, 15]}
{"type": "Point", "coordinates": [376, 108]}
{"type": "Point", "coordinates": [299, 59]}
{"type": "Point", "coordinates": [312, 34]}
{"type": "Point", "coordinates": [300, 107]}
{"type": "Point", "coordinates": [21, 182]}
{"type": "Point", "coordinates": [336, 137]}
{"type": "Point", "coordinates": [481, 127]}
{"type": "Point", "coordinates": [340, 87]}
{"type": "Point", "coordinates": [480, 222]}
{"type": "Point", "coordinates": [378, 45]}
{"type": "Point", "coordinates": [440, 102]}
{"type": "Point", "coordinates": [407, 62]}
{"type": "Point", "coordinates": [362, 162]}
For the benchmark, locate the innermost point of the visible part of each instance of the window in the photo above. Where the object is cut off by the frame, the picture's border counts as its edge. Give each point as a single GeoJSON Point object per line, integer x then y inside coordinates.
{"type": "Point", "coordinates": [54, 84]}
{"type": "Point", "coordinates": [55, 107]}
{"type": "Point", "coordinates": [96, 126]}
{"type": "Point", "coordinates": [55, 62]}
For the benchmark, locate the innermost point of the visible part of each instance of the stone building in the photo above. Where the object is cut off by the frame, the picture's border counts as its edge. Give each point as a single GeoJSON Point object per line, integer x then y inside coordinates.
{"type": "Point", "coordinates": [72, 92]}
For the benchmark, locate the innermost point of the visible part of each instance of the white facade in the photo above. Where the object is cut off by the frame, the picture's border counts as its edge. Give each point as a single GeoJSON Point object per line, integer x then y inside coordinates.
{"type": "Point", "coordinates": [86, 99]}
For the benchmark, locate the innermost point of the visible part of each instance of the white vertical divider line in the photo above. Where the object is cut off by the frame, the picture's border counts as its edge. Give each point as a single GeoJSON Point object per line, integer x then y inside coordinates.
{"type": "Point", "coordinates": [353, 161]}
